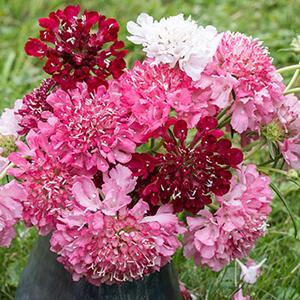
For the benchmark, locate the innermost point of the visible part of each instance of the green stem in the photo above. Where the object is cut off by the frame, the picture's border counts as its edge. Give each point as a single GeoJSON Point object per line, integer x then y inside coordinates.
{"type": "Point", "coordinates": [266, 169]}
{"type": "Point", "coordinates": [225, 122]}
{"type": "Point", "coordinates": [288, 68]}
{"type": "Point", "coordinates": [293, 80]}
{"type": "Point", "coordinates": [4, 172]}
{"type": "Point", "coordinates": [254, 150]}
{"type": "Point", "coordinates": [291, 91]}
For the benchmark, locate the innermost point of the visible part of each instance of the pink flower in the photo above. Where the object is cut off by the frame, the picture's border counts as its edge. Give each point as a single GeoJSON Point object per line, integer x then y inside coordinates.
{"type": "Point", "coordinates": [239, 295]}
{"type": "Point", "coordinates": [118, 183]}
{"type": "Point", "coordinates": [85, 48]}
{"type": "Point", "coordinates": [215, 240]}
{"type": "Point", "coordinates": [114, 249]}
{"type": "Point", "coordinates": [46, 180]}
{"type": "Point", "coordinates": [11, 195]}
{"type": "Point", "coordinates": [150, 92]}
{"type": "Point", "coordinates": [258, 88]}
{"type": "Point", "coordinates": [88, 130]}
{"type": "Point", "coordinates": [9, 121]}
{"type": "Point", "coordinates": [251, 271]}
{"type": "Point", "coordinates": [290, 149]}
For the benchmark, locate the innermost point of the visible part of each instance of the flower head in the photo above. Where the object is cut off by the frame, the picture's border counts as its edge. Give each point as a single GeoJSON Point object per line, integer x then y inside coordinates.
{"type": "Point", "coordinates": [188, 173]}
{"type": "Point", "coordinates": [88, 130]}
{"type": "Point", "coordinates": [11, 195]}
{"type": "Point", "coordinates": [79, 52]}
{"type": "Point", "coordinates": [113, 248]}
{"type": "Point", "coordinates": [230, 233]}
{"type": "Point", "coordinates": [176, 40]}
{"type": "Point", "coordinates": [251, 271]}
{"type": "Point", "coordinates": [259, 89]}
{"type": "Point", "coordinates": [46, 180]}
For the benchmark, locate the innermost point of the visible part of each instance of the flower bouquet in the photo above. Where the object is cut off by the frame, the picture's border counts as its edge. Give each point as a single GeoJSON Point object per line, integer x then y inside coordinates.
{"type": "Point", "coordinates": [122, 166]}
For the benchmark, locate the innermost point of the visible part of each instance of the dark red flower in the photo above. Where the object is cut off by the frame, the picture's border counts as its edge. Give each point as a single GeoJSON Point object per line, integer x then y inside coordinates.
{"type": "Point", "coordinates": [187, 173]}
{"type": "Point", "coordinates": [77, 54]}
{"type": "Point", "coordinates": [34, 104]}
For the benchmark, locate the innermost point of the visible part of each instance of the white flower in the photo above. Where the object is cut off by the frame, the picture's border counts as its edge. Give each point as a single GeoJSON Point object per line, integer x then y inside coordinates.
{"type": "Point", "coordinates": [251, 271]}
{"type": "Point", "coordinates": [176, 40]}
{"type": "Point", "coordinates": [9, 120]}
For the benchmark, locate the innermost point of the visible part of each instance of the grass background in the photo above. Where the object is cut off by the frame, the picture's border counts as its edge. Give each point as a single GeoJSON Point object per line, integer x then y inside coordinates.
{"type": "Point", "coordinates": [274, 21]}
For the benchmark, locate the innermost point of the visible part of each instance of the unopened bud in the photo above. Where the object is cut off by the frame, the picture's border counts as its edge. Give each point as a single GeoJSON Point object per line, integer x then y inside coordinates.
{"type": "Point", "coordinates": [7, 145]}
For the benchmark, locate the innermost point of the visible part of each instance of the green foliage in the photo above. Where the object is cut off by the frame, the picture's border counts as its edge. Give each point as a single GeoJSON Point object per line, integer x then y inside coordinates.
{"type": "Point", "coordinates": [274, 21]}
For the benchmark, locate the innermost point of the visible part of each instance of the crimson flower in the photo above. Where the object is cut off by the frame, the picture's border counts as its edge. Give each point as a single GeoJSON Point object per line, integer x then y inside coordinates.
{"type": "Point", "coordinates": [79, 54]}
{"type": "Point", "coordinates": [187, 173]}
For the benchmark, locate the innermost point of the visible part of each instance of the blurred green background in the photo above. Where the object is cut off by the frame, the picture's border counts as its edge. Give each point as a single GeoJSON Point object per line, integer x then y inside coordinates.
{"type": "Point", "coordinates": [276, 22]}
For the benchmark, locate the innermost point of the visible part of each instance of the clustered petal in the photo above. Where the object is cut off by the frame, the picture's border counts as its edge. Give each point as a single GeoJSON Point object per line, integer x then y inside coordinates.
{"type": "Point", "coordinates": [88, 130]}
{"type": "Point", "coordinates": [85, 48]}
{"type": "Point", "coordinates": [188, 173]}
{"type": "Point", "coordinates": [11, 195]}
{"type": "Point", "coordinates": [216, 239]}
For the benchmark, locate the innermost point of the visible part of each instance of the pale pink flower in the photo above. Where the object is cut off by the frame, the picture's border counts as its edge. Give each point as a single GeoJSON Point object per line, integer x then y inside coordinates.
{"type": "Point", "coordinates": [118, 183]}
{"type": "Point", "coordinates": [230, 233]}
{"type": "Point", "coordinates": [239, 295]}
{"type": "Point", "coordinates": [9, 120]}
{"type": "Point", "coordinates": [114, 249]}
{"type": "Point", "coordinates": [290, 149]}
{"type": "Point", "coordinates": [251, 271]}
{"type": "Point", "coordinates": [11, 195]}
{"type": "Point", "coordinates": [258, 90]}
{"type": "Point", "coordinates": [88, 130]}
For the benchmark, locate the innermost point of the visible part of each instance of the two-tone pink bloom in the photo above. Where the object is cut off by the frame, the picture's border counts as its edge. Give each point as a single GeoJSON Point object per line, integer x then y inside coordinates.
{"type": "Point", "coordinates": [11, 196]}
{"type": "Point", "coordinates": [108, 242]}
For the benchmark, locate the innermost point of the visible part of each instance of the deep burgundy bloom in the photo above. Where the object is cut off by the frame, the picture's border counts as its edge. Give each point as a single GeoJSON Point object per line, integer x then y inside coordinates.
{"type": "Point", "coordinates": [79, 54]}
{"type": "Point", "coordinates": [34, 104]}
{"type": "Point", "coordinates": [187, 173]}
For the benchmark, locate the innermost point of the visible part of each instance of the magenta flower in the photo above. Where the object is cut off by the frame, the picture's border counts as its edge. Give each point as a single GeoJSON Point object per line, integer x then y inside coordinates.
{"type": "Point", "coordinates": [258, 90]}
{"type": "Point", "coordinates": [230, 233]}
{"type": "Point", "coordinates": [11, 196]}
{"type": "Point", "coordinates": [85, 48]}
{"type": "Point", "coordinates": [187, 174]}
{"type": "Point", "coordinates": [105, 248]}
{"type": "Point", "coordinates": [88, 130]}
{"type": "Point", "coordinates": [46, 180]}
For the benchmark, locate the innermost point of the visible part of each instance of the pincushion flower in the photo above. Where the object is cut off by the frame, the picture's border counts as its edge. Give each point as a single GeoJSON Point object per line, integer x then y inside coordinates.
{"type": "Point", "coordinates": [175, 40]}
{"type": "Point", "coordinates": [215, 240]}
{"type": "Point", "coordinates": [259, 89]}
{"type": "Point", "coordinates": [11, 195]}
{"type": "Point", "coordinates": [85, 48]}
{"type": "Point", "coordinates": [150, 93]}
{"type": "Point", "coordinates": [114, 248]}
{"type": "Point", "coordinates": [46, 180]}
{"type": "Point", "coordinates": [250, 271]}
{"type": "Point", "coordinates": [188, 173]}
{"type": "Point", "coordinates": [34, 105]}
{"type": "Point", "coordinates": [88, 130]}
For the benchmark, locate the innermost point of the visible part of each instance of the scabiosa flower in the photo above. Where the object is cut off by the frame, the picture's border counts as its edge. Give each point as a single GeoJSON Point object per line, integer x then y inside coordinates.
{"type": "Point", "coordinates": [47, 181]}
{"type": "Point", "coordinates": [259, 89]}
{"type": "Point", "coordinates": [88, 129]}
{"type": "Point", "coordinates": [151, 92]}
{"type": "Point", "coordinates": [115, 248]}
{"type": "Point", "coordinates": [188, 173]}
{"type": "Point", "coordinates": [284, 130]}
{"type": "Point", "coordinates": [230, 233]}
{"type": "Point", "coordinates": [34, 105]}
{"type": "Point", "coordinates": [11, 195]}
{"type": "Point", "coordinates": [175, 40]}
{"type": "Point", "coordinates": [78, 53]}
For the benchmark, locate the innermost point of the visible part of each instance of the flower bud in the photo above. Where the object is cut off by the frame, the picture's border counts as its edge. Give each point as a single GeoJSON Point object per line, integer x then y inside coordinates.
{"type": "Point", "coordinates": [7, 145]}
{"type": "Point", "coordinates": [273, 131]}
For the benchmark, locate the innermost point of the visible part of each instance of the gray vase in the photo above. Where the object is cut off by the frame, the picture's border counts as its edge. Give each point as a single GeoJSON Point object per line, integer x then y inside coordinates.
{"type": "Point", "coordinates": [46, 279]}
